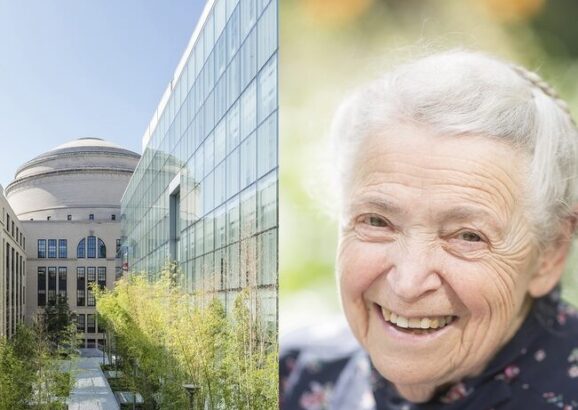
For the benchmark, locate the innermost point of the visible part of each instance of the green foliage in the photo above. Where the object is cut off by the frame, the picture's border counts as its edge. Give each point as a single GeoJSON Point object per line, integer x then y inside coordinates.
{"type": "Point", "coordinates": [16, 378]}
{"type": "Point", "coordinates": [168, 338]}
{"type": "Point", "coordinates": [58, 319]}
{"type": "Point", "coordinates": [30, 372]}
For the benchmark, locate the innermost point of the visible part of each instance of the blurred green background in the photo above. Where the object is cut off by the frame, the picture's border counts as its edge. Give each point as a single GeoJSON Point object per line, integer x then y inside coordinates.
{"type": "Point", "coordinates": [328, 47]}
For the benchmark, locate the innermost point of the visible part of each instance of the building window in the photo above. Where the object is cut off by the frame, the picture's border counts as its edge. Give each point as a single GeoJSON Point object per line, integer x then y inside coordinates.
{"type": "Point", "coordinates": [90, 275]}
{"type": "Point", "coordinates": [80, 323]}
{"type": "Point", "coordinates": [41, 248]}
{"type": "Point", "coordinates": [41, 286]}
{"type": "Point", "coordinates": [62, 276]}
{"type": "Point", "coordinates": [91, 217]}
{"type": "Point", "coordinates": [69, 217]}
{"type": "Point", "coordinates": [101, 277]}
{"type": "Point", "coordinates": [81, 249]}
{"type": "Point", "coordinates": [80, 297]}
{"type": "Point", "coordinates": [91, 247]}
{"type": "Point", "coordinates": [52, 285]}
{"type": "Point", "coordinates": [87, 248]}
{"type": "Point", "coordinates": [118, 247]}
{"type": "Point", "coordinates": [80, 286]}
{"type": "Point", "coordinates": [90, 299]}
{"type": "Point", "coordinates": [90, 283]}
{"type": "Point", "coordinates": [51, 295]}
{"type": "Point", "coordinates": [174, 223]}
{"type": "Point", "coordinates": [113, 217]}
{"type": "Point", "coordinates": [62, 248]}
{"type": "Point", "coordinates": [48, 218]}
{"type": "Point", "coordinates": [91, 323]}
{"type": "Point", "coordinates": [52, 248]}
{"type": "Point", "coordinates": [101, 249]}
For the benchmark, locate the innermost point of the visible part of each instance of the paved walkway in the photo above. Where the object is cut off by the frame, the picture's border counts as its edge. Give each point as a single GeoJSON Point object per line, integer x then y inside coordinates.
{"type": "Point", "coordinates": [91, 390]}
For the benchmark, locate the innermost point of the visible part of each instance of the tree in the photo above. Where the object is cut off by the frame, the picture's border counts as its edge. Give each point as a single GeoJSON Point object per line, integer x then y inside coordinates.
{"type": "Point", "coordinates": [58, 319]}
{"type": "Point", "coordinates": [16, 376]}
{"type": "Point", "coordinates": [31, 376]}
{"type": "Point", "coordinates": [168, 338]}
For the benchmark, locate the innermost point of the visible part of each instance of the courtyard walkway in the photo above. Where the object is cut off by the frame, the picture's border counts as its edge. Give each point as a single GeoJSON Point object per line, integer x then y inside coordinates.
{"type": "Point", "coordinates": [91, 390]}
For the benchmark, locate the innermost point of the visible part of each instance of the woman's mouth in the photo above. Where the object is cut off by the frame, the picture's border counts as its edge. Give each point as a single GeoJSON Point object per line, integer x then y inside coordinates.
{"type": "Point", "coordinates": [416, 325]}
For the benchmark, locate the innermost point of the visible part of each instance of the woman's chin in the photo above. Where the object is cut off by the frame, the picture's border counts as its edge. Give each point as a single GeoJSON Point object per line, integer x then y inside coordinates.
{"type": "Point", "coordinates": [417, 382]}
{"type": "Point", "coordinates": [416, 394]}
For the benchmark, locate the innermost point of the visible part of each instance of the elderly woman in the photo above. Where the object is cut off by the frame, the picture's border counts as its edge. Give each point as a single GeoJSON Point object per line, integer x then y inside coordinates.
{"type": "Point", "coordinates": [458, 191]}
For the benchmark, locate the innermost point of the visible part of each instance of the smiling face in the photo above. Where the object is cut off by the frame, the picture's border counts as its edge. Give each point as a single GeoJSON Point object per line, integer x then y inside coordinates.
{"type": "Point", "coordinates": [436, 255]}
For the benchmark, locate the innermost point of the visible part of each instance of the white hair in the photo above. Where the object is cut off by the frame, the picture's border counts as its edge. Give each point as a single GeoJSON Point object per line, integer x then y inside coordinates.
{"type": "Point", "coordinates": [463, 92]}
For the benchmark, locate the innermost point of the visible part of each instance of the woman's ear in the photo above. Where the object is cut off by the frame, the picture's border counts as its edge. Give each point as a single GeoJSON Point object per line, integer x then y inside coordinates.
{"type": "Point", "coordinates": [553, 259]}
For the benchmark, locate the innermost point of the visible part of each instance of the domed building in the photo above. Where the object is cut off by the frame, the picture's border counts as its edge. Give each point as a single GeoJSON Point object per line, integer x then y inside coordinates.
{"type": "Point", "coordinates": [68, 202]}
{"type": "Point", "coordinates": [76, 179]}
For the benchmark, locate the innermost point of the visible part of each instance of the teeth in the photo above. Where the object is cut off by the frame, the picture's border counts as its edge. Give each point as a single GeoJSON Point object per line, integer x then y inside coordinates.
{"type": "Point", "coordinates": [416, 323]}
{"type": "Point", "coordinates": [386, 314]}
{"type": "Point", "coordinates": [402, 322]}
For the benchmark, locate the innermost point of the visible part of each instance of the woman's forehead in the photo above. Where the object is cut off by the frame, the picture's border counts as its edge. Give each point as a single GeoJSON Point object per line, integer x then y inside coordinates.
{"type": "Point", "coordinates": [444, 172]}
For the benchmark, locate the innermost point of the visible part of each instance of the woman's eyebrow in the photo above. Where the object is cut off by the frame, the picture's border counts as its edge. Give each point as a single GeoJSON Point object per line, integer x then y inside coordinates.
{"type": "Point", "coordinates": [381, 204]}
{"type": "Point", "coordinates": [467, 213]}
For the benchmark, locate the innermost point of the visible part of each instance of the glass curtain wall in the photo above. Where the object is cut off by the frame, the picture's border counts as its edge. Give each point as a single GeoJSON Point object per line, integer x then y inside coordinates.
{"type": "Point", "coordinates": [214, 147]}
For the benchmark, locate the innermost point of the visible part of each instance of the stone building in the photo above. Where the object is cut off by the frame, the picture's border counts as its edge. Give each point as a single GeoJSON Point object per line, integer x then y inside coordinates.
{"type": "Point", "coordinates": [12, 269]}
{"type": "Point", "coordinates": [68, 202]}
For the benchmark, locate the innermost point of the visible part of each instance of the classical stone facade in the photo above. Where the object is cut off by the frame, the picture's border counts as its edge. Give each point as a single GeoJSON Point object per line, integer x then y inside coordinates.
{"type": "Point", "coordinates": [12, 269]}
{"type": "Point", "coordinates": [68, 201]}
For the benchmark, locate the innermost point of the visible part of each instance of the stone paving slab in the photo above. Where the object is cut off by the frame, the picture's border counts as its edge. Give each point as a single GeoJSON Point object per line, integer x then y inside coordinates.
{"type": "Point", "coordinates": [91, 390]}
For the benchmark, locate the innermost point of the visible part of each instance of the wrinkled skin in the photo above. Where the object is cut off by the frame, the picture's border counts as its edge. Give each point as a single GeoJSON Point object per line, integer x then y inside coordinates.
{"type": "Point", "coordinates": [437, 226]}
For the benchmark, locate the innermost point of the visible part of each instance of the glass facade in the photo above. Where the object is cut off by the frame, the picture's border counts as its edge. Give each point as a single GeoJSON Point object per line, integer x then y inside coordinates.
{"type": "Point", "coordinates": [205, 191]}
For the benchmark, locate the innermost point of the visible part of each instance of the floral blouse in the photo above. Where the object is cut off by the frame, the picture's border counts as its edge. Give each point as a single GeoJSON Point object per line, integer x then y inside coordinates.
{"type": "Point", "coordinates": [537, 369]}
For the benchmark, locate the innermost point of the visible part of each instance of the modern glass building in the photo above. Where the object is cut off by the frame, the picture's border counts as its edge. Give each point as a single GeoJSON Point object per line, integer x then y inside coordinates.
{"type": "Point", "coordinates": [205, 191]}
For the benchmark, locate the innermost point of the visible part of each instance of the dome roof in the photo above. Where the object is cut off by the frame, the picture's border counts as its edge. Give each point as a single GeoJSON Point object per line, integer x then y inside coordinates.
{"type": "Point", "coordinates": [94, 153]}
{"type": "Point", "coordinates": [75, 174]}
{"type": "Point", "coordinates": [85, 144]}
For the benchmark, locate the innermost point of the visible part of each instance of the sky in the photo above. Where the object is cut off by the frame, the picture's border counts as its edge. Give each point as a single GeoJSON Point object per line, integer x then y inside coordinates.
{"type": "Point", "coordinates": [80, 68]}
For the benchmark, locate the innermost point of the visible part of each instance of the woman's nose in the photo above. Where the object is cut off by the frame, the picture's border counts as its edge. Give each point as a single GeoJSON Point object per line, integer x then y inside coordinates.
{"type": "Point", "coordinates": [415, 271]}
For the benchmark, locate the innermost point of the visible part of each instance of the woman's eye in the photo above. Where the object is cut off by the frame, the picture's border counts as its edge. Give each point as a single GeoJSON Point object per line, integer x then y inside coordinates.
{"type": "Point", "coordinates": [372, 227]}
{"type": "Point", "coordinates": [470, 237]}
{"type": "Point", "coordinates": [375, 221]}
{"type": "Point", "coordinates": [468, 244]}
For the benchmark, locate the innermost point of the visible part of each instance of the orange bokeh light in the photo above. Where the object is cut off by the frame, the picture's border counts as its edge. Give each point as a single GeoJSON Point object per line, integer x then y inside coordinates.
{"type": "Point", "coordinates": [513, 10]}
{"type": "Point", "coordinates": [335, 12]}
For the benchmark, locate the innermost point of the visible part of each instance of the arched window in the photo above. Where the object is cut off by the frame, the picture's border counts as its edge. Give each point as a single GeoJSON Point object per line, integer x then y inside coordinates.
{"type": "Point", "coordinates": [91, 247]}
{"type": "Point", "coordinates": [101, 249]}
{"type": "Point", "coordinates": [81, 249]}
{"type": "Point", "coordinates": [87, 248]}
